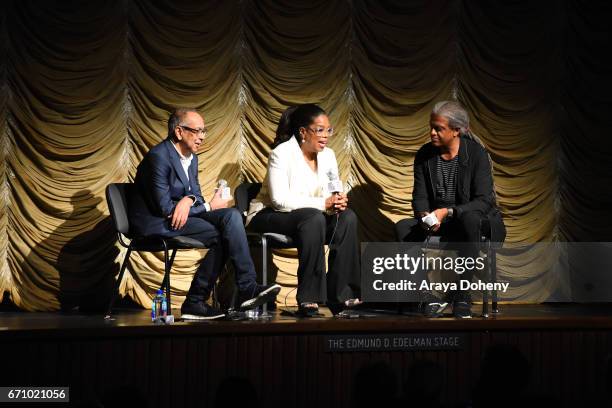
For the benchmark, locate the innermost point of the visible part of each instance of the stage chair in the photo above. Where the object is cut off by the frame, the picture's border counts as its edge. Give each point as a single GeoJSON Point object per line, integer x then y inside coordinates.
{"type": "Point", "coordinates": [243, 195]}
{"type": "Point", "coordinates": [489, 247]}
{"type": "Point", "coordinates": [117, 198]}
{"type": "Point", "coordinates": [492, 241]}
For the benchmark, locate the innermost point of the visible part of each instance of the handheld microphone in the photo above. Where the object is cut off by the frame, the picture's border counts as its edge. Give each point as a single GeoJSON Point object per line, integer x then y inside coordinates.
{"type": "Point", "coordinates": [430, 220]}
{"type": "Point", "coordinates": [334, 186]}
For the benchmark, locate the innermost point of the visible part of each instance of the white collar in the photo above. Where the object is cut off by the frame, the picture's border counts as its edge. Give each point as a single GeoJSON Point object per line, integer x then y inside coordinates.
{"type": "Point", "coordinates": [183, 158]}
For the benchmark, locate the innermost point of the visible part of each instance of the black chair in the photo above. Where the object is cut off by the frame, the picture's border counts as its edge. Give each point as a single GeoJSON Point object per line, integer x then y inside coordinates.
{"type": "Point", "coordinates": [492, 237]}
{"type": "Point", "coordinates": [490, 241]}
{"type": "Point", "coordinates": [117, 198]}
{"type": "Point", "coordinates": [243, 195]}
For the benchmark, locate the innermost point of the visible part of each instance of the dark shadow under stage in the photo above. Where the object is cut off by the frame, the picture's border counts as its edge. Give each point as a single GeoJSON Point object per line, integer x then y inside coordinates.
{"type": "Point", "coordinates": [310, 362]}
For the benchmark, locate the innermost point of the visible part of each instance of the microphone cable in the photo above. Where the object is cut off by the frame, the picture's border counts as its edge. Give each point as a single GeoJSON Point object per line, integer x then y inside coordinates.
{"type": "Point", "coordinates": [331, 239]}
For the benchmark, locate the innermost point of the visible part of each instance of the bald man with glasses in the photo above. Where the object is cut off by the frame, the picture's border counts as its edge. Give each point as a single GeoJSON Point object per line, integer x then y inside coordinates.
{"type": "Point", "coordinates": [167, 201]}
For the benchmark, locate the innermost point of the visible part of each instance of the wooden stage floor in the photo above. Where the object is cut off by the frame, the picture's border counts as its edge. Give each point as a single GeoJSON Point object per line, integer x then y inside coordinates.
{"type": "Point", "coordinates": [132, 321]}
{"type": "Point", "coordinates": [295, 362]}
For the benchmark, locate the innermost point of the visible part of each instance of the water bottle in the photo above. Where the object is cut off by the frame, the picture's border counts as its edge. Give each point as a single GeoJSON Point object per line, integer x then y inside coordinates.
{"type": "Point", "coordinates": [164, 305]}
{"type": "Point", "coordinates": [226, 192]}
{"type": "Point", "coordinates": [159, 307]}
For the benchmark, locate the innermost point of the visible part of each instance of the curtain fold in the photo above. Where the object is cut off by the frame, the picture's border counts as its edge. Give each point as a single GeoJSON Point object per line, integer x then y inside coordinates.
{"type": "Point", "coordinates": [512, 93]}
{"type": "Point", "coordinates": [403, 63]}
{"type": "Point", "coordinates": [86, 90]}
{"type": "Point", "coordinates": [63, 93]}
{"type": "Point", "coordinates": [6, 280]}
{"type": "Point", "coordinates": [583, 118]}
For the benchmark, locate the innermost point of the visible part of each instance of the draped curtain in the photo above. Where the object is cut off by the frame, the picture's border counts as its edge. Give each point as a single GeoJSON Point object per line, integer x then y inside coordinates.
{"type": "Point", "coordinates": [87, 87]}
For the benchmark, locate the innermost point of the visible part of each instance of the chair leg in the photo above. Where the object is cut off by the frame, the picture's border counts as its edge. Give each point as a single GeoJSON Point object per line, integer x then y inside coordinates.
{"type": "Point", "coordinates": [234, 299]}
{"type": "Point", "coordinates": [487, 275]}
{"type": "Point", "coordinates": [494, 279]}
{"type": "Point", "coordinates": [166, 281]}
{"type": "Point", "coordinates": [119, 278]}
{"type": "Point", "coordinates": [264, 268]}
{"type": "Point", "coordinates": [215, 296]}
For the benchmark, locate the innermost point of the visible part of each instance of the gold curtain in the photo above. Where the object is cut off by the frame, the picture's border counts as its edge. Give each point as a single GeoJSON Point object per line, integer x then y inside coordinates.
{"type": "Point", "coordinates": [86, 89]}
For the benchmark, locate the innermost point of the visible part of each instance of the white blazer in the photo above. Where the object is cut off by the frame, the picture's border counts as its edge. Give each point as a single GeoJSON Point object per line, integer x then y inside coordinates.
{"type": "Point", "coordinates": [291, 184]}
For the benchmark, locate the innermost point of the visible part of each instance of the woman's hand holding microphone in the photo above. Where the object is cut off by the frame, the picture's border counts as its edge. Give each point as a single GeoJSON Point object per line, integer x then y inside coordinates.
{"type": "Point", "coordinates": [337, 202]}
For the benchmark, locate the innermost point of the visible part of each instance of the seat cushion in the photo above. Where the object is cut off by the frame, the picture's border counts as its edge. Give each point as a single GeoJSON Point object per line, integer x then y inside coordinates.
{"type": "Point", "coordinates": [155, 243]}
{"type": "Point", "coordinates": [186, 242]}
{"type": "Point", "coordinates": [278, 239]}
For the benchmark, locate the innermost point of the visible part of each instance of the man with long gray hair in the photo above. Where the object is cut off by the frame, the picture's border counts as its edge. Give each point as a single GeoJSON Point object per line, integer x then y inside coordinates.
{"type": "Point", "coordinates": [453, 190]}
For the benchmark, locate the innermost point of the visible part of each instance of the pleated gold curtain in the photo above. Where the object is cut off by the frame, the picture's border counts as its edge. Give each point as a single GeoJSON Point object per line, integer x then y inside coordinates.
{"type": "Point", "coordinates": [86, 89]}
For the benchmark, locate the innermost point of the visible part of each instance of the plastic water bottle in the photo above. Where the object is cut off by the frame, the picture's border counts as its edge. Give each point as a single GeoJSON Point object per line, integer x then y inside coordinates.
{"type": "Point", "coordinates": [159, 307]}
{"type": "Point", "coordinates": [226, 192]}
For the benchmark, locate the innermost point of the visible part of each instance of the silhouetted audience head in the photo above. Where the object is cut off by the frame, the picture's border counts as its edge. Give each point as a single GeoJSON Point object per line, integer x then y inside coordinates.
{"type": "Point", "coordinates": [504, 377]}
{"type": "Point", "coordinates": [124, 396]}
{"type": "Point", "coordinates": [236, 392]}
{"type": "Point", "coordinates": [424, 384]}
{"type": "Point", "coordinates": [89, 404]}
{"type": "Point", "coordinates": [375, 385]}
{"type": "Point", "coordinates": [609, 375]}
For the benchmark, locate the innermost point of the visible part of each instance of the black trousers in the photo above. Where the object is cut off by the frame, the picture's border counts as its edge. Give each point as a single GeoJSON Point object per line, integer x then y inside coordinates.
{"type": "Point", "coordinates": [464, 231]}
{"type": "Point", "coordinates": [311, 229]}
{"type": "Point", "coordinates": [222, 231]}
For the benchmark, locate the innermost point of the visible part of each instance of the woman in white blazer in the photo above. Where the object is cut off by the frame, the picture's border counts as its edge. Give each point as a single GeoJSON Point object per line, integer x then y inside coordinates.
{"type": "Point", "coordinates": [301, 197]}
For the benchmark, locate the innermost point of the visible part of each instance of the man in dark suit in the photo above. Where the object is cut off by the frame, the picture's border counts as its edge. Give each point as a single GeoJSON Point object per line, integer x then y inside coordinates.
{"type": "Point", "coordinates": [167, 201]}
{"type": "Point", "coordinates": [453, 181]}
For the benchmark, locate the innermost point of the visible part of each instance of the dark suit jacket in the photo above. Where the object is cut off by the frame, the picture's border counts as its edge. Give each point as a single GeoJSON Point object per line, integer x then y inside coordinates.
{"type": "Point", "coordinates": [474, 184]}
{"type": "Point", "coordinates": [159, 184]}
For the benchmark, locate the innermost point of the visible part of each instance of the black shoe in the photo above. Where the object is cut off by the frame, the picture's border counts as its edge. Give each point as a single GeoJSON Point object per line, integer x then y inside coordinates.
{"type": "Point", "coordinates": [462, 310]}
{"type": "Point", "coordinates": [430, 305]}
{"type": "Point", "coordinates": [433, 309]}
{"type": "Point", "coordinates": [337, 308]}
{"type": "Point", "coordinates": [258, 296]}
{"type": "Point", "coordinates": [199, 311]}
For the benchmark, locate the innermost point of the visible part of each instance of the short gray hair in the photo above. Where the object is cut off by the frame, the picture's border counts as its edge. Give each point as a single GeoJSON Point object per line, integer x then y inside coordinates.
{"type": "Point", "coordinates": [175, 119]}
{"type": "Point", "coordinates": [456, 115]}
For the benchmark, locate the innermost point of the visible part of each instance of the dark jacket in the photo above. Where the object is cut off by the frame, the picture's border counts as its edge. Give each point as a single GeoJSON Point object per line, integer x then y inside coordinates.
{"type": "Point", "coordinates": [475, 190]}
{"type": "Point", "coordinates": [159, 185]}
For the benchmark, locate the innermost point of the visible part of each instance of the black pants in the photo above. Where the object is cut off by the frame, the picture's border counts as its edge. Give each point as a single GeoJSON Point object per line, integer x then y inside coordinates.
{"type": "Point", "coordinates": [464, 230]}
{"type": "Point", "coordinates": [222, 231]}
{"type": "Point", "coordinates": [311, 229]}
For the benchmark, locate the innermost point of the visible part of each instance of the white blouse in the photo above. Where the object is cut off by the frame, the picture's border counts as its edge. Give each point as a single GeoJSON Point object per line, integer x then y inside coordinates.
{"type": "Point", "coordinates": [290, 183]}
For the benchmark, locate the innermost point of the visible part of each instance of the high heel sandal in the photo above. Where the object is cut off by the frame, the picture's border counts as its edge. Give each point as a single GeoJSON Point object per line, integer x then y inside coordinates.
{"type": "Point", "coordinates": [308, 309]}
{"type": "Point", "coordinates": [339, 308]}
{"type": "Point", "coordinates": [352, 302]}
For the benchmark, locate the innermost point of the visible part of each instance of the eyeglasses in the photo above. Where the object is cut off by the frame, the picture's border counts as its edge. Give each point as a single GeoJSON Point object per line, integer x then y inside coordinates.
{"type": "Point", "coordinates": [321, 131]}
{"type": "Point", "coordinates": [202, 131]}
